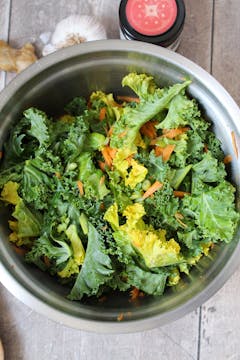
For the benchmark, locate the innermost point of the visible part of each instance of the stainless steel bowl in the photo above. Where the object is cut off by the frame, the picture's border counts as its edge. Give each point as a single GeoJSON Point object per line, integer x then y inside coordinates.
{"type": "Point", "coordinates": [79, 70]}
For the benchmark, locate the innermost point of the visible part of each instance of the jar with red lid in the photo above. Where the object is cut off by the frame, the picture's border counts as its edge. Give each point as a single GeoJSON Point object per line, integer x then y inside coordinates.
{"type": "Point", "coordinates": [158, 22]}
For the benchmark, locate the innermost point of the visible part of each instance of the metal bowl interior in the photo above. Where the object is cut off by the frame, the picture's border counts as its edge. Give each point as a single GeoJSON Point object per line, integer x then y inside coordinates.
{"type": "Point", "coordinates": [79, 70]}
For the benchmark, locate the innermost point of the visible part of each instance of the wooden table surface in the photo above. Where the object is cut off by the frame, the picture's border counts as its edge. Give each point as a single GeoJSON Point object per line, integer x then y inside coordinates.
{"type": "Point", "coordinates": [211, 38]}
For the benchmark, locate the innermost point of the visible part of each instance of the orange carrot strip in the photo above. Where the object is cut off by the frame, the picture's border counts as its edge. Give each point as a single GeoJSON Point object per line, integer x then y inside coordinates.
{"type": "Point", "coordinates": [128, 98]}
{"type": "Point", "coordinates": [102, 299]}
{"type": "Point", "coordinates": [112, 152]}
{"type": "Point", "coordinates": [102, 165]}
{"type": "Point", "coordinates": [120, 317]}
{"type": "Point", "coordinates": [1, 155]}
{"type": "Point", "coordinates": [121, 135]}
{"type": "Point", "coordinates": [108, 154]}
{"type": "Point", "coordinates": [205, 149]}
{"type": "Point", "coordinates": [102, 207]}
{"type": "Point", "coordinates": [19, 251]}
{"type": "Point", "coordinates": [102, 180]}
{"type": "Point", "coordinates": [80, 187]}
{"type": "Point", "coordinates": [154, 187]}
{"type": "Point", "coordinates": [235, 148]}
{"type": "Point", "coordinates": [134, 294]}
{"type": "Point", "coordinates": [129, 159]}
{"type": "Point", "coordinates": [227, 159]}
{"type": "Point", "coordinates": [171, 134]}
{"type": "Point", "coordinates": [46, 261]}
{"type": "Point", "coordinates": [149, 129]}
{"type": "Point", "coordinates": [102, 114]}
{"type": "Point", "coordinates": [58, 175]}
{"type": "Point", "coordinates": [89, 104]}
{"type": "Point", "coordinates": [165, 152]}
{"type": "Point", "coordinates": [180, 194]}
{"type": "Point", "coordinates": [110, 131]}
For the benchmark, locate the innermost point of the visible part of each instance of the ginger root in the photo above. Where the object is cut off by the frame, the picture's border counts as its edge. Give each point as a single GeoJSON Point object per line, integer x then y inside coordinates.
{"type": "Point", "coordinates": [16, 60]}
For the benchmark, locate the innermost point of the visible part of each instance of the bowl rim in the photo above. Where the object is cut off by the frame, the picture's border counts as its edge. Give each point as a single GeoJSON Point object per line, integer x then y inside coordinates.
{"type": "Point", "coordinates": [22, 293]}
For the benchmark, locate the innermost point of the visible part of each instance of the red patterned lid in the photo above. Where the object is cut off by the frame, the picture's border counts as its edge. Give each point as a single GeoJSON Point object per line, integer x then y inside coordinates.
{"type": "Point", "coordinates": [151, 17]}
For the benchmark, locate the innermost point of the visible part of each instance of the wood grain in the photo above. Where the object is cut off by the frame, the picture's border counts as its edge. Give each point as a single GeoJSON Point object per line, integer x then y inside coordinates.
{"type": "Point", "coordinates": [226, 45]}
{"type": "Point", "coordinates": [30, 336]}
{"type": "Point", "coordinates": [220, 327]}
{"type": "Point", "coordinates": [196, 36]}
{"type": "Point", "coordinates": [4, 29]}
{"type": "Point", "coordinates": [221, 323]}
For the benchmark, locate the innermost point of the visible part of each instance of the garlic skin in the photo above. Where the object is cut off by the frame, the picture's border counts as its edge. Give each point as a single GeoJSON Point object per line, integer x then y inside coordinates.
{"type": "Point", "coordinates": [75, 29]}
{"type": "Point", "coordinates": [16, 60]}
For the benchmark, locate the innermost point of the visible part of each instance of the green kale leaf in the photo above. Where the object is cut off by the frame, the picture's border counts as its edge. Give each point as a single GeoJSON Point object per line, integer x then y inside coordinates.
{"type": "Point", "coordinates": [96, 269]}
{"type": "Point", "coordinates": [213, 211]}
{"type": "Point", "coordinates": [132, 119]}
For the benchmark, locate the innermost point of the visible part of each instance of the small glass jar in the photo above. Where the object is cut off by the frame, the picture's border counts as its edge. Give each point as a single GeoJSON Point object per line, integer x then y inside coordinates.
{"type": "Point", "coordinates": [158, 22]}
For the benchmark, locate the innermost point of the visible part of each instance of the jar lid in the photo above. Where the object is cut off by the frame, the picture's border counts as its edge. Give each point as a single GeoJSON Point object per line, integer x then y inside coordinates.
{"type": "Point", "coordinates": [156, 21]}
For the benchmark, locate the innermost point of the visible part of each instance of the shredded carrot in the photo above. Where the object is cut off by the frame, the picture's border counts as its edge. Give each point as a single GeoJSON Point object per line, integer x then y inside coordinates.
{"type": "Point", "coordinates": [57, 174]}
{"type": "Point", "coordinates": [149, 130]}
{"type": "Point", "coordinates": [235, 148]}
{"type": "Point", "coordinates": [102, 180]}
{"type": "Point", "coordinates": [112, 152]}
{"type": "Point", "coordinates": [80, 187]}
{"type": "Point", "coordinates": [134, 294]}
{"type": "Point", "coordinates": [165, 152]}
{"type": "Point", "coordinates": [1, 155]}
{"type": "Point", "coordinates": [227, 159]}
{"type": "Point", "coordinates": [120, 317]}
{"type": "Point", "coordinates": [102, 114]}
{"type": "Point", "coordinates": [172, 133]}
{"type": "Point", "coordinates": [89, 104]}
{"type": "Point", "coordinates": [102, 299]}
{"type": "Point", "coordinates": [46, 261]}
{"type": "Point", "coordinates": [19, 251]}
{"type": "Point", "coordinates": [110, 131]}
{"type": "Point", "coordinates": [180, 194]}
{"type": "Point", "coordinates": [102, 207]}
{"type": "Point", "coordinates": [205, 149]}
{"type": "Point", "coordinates": [128, 99]}
{"type": "Point", "coordinates": [154, 187]}
{"type": "Point", "coordinates": [108, 154]}
{"type": "Point", "coordinates": [129, 159]}
{"type": "Point", "coordinates": [102, 165]}
{"type": "Point", "coordinates": [122, 134]}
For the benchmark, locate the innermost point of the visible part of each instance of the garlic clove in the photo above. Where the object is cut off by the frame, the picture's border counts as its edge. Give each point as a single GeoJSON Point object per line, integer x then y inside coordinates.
{"type": "Point", "coordinates": [75, 29]}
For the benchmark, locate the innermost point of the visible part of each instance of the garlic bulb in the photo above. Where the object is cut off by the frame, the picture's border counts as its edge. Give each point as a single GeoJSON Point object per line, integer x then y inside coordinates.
{"type": "Point", "coordinates": [74, 29]}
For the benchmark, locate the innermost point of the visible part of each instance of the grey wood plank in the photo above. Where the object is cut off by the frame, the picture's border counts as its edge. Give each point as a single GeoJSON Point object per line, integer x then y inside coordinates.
{"type": "Point", "coordinates": [221, 323]}
{"type": "Point", "coordinates": [30, 336]}
{"type": "Point", "coordinates": [226, 45]}
{"type": "Point", "coordinates": [196, 36]}
{"type": "Point", "coordinates": [221, 314]}
{"type": "Point", "coordinates": [4, 27]}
